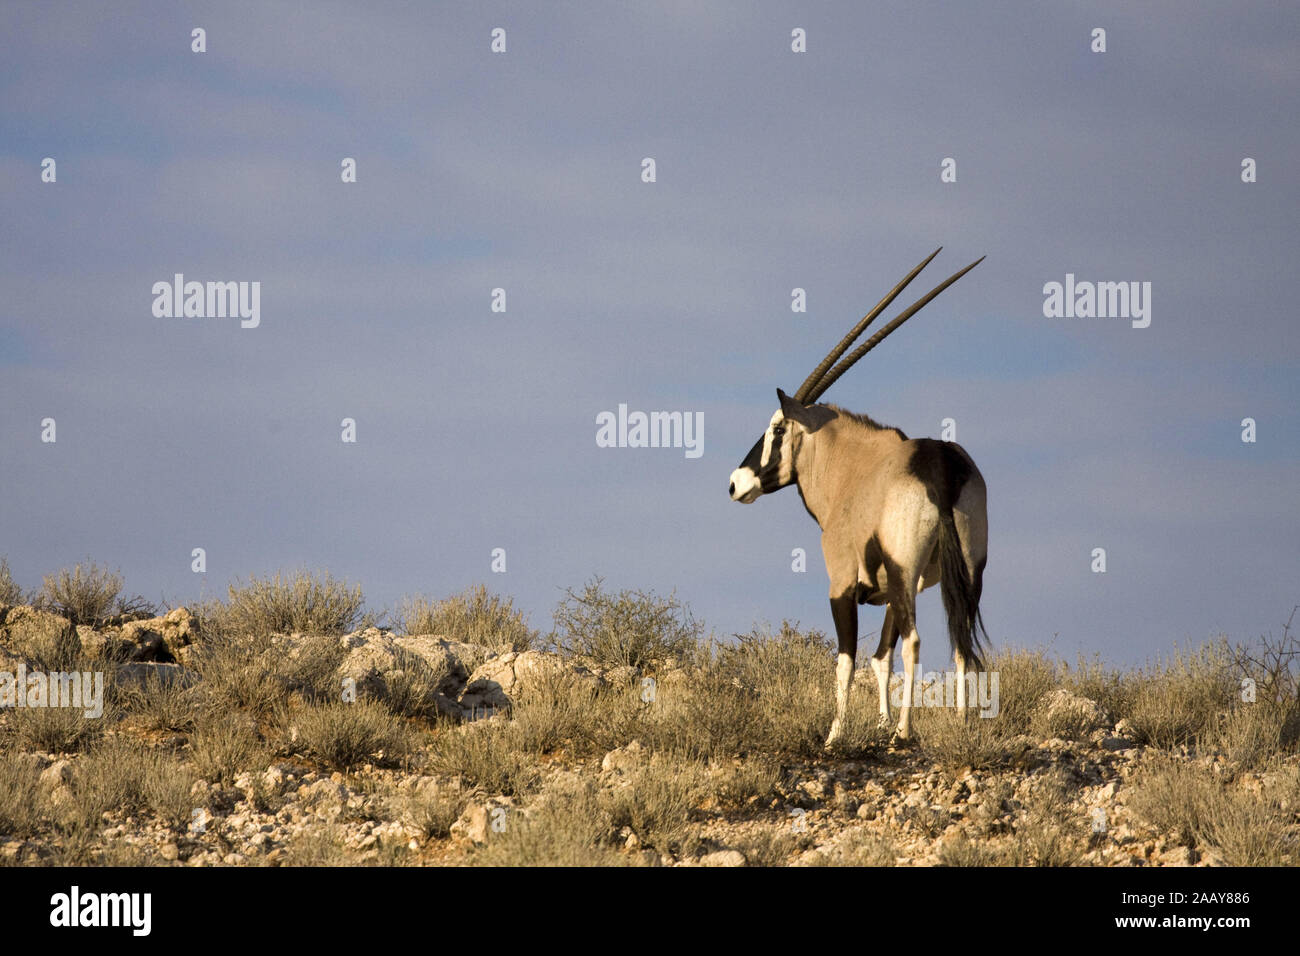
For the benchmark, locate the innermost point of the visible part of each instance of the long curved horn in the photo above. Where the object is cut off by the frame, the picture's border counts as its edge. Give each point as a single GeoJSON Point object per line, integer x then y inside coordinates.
{"type": "Point", "coordinates": [876, 339]}
{"type": "Point", "coordinates": [804, 393]}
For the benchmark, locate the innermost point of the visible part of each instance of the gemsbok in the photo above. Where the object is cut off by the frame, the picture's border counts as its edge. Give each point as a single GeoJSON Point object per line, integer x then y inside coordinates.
{"type": "Point", "coordinates": [897, 515]}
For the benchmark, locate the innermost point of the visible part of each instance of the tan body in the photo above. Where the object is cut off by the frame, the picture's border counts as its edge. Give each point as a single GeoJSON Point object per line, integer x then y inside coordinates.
{"type": "Point", "coordinates": [850, 506]}
{"type": "Point", "coordinates": [878, 498]}
{"type": "Point", "coordinates": [884, 503]}
{"type": "Point", "coordinates": [897, 516]}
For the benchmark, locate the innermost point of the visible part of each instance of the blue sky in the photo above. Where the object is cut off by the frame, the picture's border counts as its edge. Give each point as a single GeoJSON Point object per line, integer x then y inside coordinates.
{"type": "Point", "coordinates": [775, 170]}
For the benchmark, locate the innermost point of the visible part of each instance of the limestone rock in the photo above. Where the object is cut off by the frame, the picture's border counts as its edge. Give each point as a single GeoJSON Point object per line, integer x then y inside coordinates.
{"type": "Point", "coordinates": [376, 660]}
{"type": "Point", "coordinates": [624, 759]}
{"type": "Point", "coordinates": [499, 680]}
{"type": "Point", "coordinates": [1067, 711]}
{"type": "Point", "coordinates": [56, 774]}
{"type": "Point", "coordinates": [723, 858]}
{"type": "Point", "coordinates": [483, 819]}
{"type": "Point", "coordinates": [1177, 856]}
{"type": "Point", "coordinates": [35, 634]}
{"type": "Point", "coordinates": [160, 638]}
{"type": "Point", "coordinates": [11, 662]}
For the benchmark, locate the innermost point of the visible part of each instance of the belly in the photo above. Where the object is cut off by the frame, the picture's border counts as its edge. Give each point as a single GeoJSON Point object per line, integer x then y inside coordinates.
{"type": "Point", "coordinates": [874, 588]}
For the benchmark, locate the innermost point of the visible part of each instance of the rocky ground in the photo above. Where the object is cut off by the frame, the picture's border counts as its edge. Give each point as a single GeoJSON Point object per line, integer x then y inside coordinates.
{"type": "Point", "coordinates": [1053, 800]}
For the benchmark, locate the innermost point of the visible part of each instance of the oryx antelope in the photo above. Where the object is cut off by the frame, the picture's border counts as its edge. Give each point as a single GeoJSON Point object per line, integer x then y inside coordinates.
{"type": "Point", "coordinates": [897, 516]}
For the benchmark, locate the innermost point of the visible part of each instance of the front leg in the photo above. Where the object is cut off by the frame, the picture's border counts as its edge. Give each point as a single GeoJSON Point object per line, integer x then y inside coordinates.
{"type": "Point", "coordinates": [844, 610]}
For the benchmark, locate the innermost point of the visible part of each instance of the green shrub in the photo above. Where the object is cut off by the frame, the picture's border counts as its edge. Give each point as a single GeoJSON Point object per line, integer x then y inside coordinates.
{"type": "Point", "coordinates": [1023, 678]}
{"type": "Point", "coordinates": [290, 602]}
{"type": "Point", "coordinates": [1050, 833]}
{"type": "Point", "coordinates": [975, 742]}
{"type": "Point", "coordinates": [11, 593]}
{"type": "Point", "coordinates": [344, 735]}
{"type": "Point", "coordinates": [224, 746]}
{"type": "Point", "coordinates": [20, 797]}
{"type": "Point", "coordinates": [158, 704]}
{"type": "Point", "coordinates": [569, 828]}
{"type": "Point", "coordinates": [1200, 808]}
{"type": "Point", "coordinates": [84, 594]}
{"type": "Point", "coordinates": [630, 628]}
{"type": "Point", "coordinates": [471, 617]}
{"type": "Point", "coordinates": [1114, 690]}
{"type": "Point", "coordinates": [487, 754]}
{"type": "Point", "coordinates": [239, 673]}
{"type": "Point", "coordinates": [57, 729]}
{"type": "Point", "coordinates": [1176, 701]}
{"type": "Point", "coordinates": [125, 775]}
{"type": "Point", "coordinates": [656, 800]}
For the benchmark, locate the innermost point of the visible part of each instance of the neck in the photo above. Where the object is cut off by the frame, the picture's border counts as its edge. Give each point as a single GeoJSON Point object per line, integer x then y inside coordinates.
{"type": "Point", "coordinates": [813, 492]}
{"type": "Point", "coordinates": [843, 438]}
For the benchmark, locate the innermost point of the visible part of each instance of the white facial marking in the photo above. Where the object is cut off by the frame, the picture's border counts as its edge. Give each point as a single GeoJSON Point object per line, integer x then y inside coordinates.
{"type": "Point", "coordinates": [744, 485]}
{"type": "Point", "coordinates": [767, 438]}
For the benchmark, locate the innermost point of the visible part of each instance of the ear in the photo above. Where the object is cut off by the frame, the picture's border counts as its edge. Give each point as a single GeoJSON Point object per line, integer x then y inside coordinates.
{"type": "Point", "coordinates": [795, 411]}
{"type": "Point", "coordinates": [810, 417]}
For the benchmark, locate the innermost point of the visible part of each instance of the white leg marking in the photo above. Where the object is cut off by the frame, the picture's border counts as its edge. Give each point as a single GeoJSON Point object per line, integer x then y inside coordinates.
{"type": "Point", "coordinates": [843, 683]}
{"type": "Point", "coordinates": [911, 658]}
{"type": "Point", "coordinates": [883, 668]}
{"type": "Point", "coordinates": [961, 682]}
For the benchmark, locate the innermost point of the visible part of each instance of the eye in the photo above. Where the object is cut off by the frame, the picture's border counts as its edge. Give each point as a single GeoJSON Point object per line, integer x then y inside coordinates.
{"type": "Point", "coordinates": [778, 430]}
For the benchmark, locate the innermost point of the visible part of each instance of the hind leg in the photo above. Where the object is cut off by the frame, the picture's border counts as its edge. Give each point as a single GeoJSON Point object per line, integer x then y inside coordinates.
{"type": "Point", "coordinates": [911, 658]}
{"type": "Point", "coordinates": [905, 620]}
{"type": "Point", "coordinates": [882, 663]}
{"type": "Point", "coordinates": [960, 662]}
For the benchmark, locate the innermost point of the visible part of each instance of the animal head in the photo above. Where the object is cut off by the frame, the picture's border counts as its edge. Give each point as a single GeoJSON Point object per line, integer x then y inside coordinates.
{"type": "Point", "coordinates": [772, 463]}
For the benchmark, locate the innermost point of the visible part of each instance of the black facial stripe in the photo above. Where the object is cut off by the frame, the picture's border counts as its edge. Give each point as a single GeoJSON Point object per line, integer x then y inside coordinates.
{"type": "Point", "coordinates": [768, 476]}
{"type": "Point", "coordinates": [754, 460]}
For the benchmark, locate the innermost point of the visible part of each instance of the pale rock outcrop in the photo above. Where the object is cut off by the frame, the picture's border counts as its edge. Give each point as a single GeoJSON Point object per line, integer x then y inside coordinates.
{"type": "Point", "coordinates": [1061, 708]}
{"type": "Point", "coordinates": [160, 638]}
{"type": "Point", "coordinates": [31, 633]}
{"type": "Point", "coordinates": [498, 681]}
